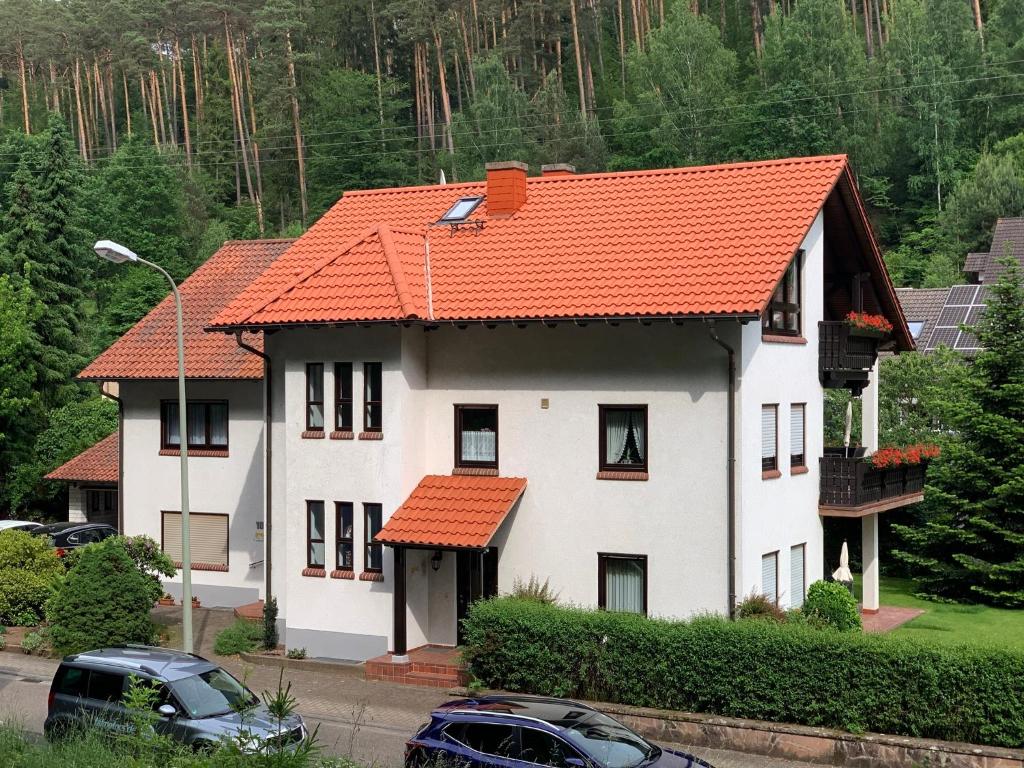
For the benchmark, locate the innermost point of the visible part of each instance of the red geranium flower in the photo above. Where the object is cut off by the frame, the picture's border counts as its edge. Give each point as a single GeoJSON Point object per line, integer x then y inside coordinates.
{"type": "Point", "coordinates": [869, 322]}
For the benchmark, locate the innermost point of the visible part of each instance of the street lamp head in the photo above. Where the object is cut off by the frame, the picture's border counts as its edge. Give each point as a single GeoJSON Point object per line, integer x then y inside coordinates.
{"type": "Point", "coordinates": [114, 252]}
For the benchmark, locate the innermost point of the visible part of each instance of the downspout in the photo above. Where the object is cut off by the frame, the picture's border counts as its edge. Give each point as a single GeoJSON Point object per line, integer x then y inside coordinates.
{"type": "Point", "coordinates": [120, 455]}
{"type": "Point", "coordinates": [731, 464]}
{"type": "Point", "coordinates": [268, 557]}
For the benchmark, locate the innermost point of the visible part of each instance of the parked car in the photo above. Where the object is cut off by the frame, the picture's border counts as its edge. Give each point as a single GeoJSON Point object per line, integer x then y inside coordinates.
{"type": "Point", "coordinates": [17, 525]}
{"type": "Point", "coordinates": [66, 536]}
{"type": "Point", "coordinates": [494, 730]}
{"type": "Point", "coordinates": [199, 704]}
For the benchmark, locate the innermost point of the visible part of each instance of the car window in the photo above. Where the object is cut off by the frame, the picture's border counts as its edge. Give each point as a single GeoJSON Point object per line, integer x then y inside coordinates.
{"type": "Point", "coordinates": [71, 681]}
{"type": "Point", "coordinates": [487, 738]}
{"type": "Point", "coordinates": [544, 748]}
{"type": "Point", "coordinates": [612, 744]}
{"type": "Point", "coordinates": [212, 693]}
{"type": "Point", "coordinates": [105, 686]}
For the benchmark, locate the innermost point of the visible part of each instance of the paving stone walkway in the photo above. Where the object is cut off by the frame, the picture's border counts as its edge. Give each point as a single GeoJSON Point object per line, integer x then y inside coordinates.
{"type": "Point", "coordinates": [888, 618]}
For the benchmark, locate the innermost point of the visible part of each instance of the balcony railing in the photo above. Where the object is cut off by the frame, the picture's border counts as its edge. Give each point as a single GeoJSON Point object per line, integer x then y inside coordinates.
{"type": "Point", "coordinates": [845, 356]}
{"type": "Point", "coordinates": [851, 482]}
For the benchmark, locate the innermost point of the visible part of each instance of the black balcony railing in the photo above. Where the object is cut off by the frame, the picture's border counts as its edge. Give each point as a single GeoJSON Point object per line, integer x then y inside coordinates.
{"type": "Point", "coordinates": [852, 481]}
{"type": "Point", "coordinates": [845, 355]}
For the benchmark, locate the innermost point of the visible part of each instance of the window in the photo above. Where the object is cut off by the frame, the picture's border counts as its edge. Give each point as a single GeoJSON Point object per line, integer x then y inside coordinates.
{"type": "Point", "coordinates": [343, 397]}
{"type": "Point", "coordinates": [770, 575]}
{"type": "Point", "coordinates": [315, 534]}
{"type": "Point", "coordinates": [459, 212]}
{"type": "Point", "coordinates": [769, 438]}
{"type": "Point", "coordinates": [542, 748]}
{"type": "Point", "coordinates": [797, 430]}
{"type": "Point", "coordinates": [783, 313]}
{"type": "Point", "coordinates": [622, 583]}
{"type": "Point", "coordinates": [101, 506]}
{"type": "Point", "coordinates": [486, 738]}
{"type": "Point", "coordinates": [343, 531]}
{"type": "Point", "coordinates": [206, 421]}
{"type": "Point", "coordinates": [314, 396]}
{"type": "Point", "coordinates": [623, 437]}
{"type": "Point", "coordinates": [797, 579]}
{"type": "Point", "coordinates": [374, 552]}
{"type": "Point", "coordinates": [916, 327]}
{"type": "Point", "coordinates": [476, 436]}
{"type": "Point", "coordinates": [207, 534]}
{"type": "Point", "coordinates": [105, 686]}
{"type": "Point", "coordinates": [373, 412]}
{"type": "Point", "coordinates": [72, 681]}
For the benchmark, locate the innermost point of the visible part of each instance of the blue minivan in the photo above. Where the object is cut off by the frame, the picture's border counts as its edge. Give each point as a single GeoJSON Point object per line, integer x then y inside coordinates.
{"type": "Point", "coordinates": [513, 731]}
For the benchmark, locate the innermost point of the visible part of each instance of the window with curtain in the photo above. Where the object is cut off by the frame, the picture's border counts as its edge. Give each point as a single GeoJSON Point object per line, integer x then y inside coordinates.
{"type": "Point", "coordinates": [314, 396]}
{"type": "Point", "coordinates": [315, 534]}
{"type": "Point", "coordinates": [622, 583]}
{"type": "Point", "coordinates": [783, 313]}
{"type": "Point", "coordinates": [769, 438]}
{"type": "Point", "coordinates": [797, 430]}
{"type": "Point", "coordinates": [343, 397]}
{"type": "Point", "coordinates": [206, 422]}
{"type": "Point", "coordinates": [476, 436]}
{"type": "Point", "coordinates": [343, 532]}
{"type": "Point", "coordinates": [797, 578]}
{"type": "Point", "coordinates": [373, 411]}
{"type": "Point", "coordinates": [623, 437]}
{"type": "Point", "coordinates": [374, 556]}
{"type": "Point", "coordinates": [770, 575]}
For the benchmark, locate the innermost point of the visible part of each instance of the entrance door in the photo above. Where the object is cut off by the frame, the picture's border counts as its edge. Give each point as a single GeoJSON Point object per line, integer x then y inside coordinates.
{"type": "Point", "coordinates": [476, 577]}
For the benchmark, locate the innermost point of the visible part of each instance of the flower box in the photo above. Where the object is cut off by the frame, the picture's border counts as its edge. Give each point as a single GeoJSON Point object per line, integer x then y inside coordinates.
{"type": "Point", "coordinates": [165, 600]}
{"type": "Point", "coordinates": [868, 325]}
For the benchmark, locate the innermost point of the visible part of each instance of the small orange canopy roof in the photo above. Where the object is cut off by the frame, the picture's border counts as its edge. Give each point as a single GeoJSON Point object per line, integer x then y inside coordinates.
{"type": "Point", "coordinates": [461, 511]}
{"type": "Point", "coordinates": [96, 464]}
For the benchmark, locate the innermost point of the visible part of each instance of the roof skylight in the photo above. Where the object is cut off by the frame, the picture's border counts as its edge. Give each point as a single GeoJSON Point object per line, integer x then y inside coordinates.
{"type": "Point", "coordinates": [459, 212]}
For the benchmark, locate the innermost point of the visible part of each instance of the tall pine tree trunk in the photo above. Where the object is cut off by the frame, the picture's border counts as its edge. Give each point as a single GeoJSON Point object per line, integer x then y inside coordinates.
{"type": "Point", "coordinates": [184, 102]}
{"type": "Point", "coordinates": [239, 116]}
{"type": "Point", "coordinates": [622, 44]}
{"type": "Point", "coordinates": [127, 104]}
{"type": "Point", "coordinates": [24, 88]}
{"type": "Point", "coordinates": [300, 154]}
{"type": "Point", "coordinates": [579, 58]}
{"type": "Point", "coordinates": [83, 142]}
{"type": "Point", "coordinates": [446, 105]}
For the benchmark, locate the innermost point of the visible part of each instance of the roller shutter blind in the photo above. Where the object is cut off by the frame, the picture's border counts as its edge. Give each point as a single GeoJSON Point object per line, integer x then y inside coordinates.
{"type": "Point", "coordinates": [796, 576]}
{"type": "Point", "coordinates": [769, 442]}
{"type": "Point", "coordinates": [208, 537]}
{"type": "Point", "coordinates": [796, 435]}
{"type": "Point", "coordinates": [770, 575]}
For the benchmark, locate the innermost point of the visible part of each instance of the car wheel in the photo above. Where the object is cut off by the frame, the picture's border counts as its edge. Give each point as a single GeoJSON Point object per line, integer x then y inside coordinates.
{"type": "Point", "coordinates": [204, 747]}
{"type": "Point", "coordinates": [417, 758]}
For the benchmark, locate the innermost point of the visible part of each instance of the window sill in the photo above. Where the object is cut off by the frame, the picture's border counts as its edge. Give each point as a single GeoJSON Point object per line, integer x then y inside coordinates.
{"type": "Point", "coordinates": [343, 573]}
{"type": "Point", "coordinates": [798, 470]}
{"type": "Point", "coordinates": [770, 474]}
{"type": "Point", "coordinates": [609, 475]}
{"type": "Point", "coordinates": [778, 338]}
{"type": "Point", "coordinates": [197, 453]}
{"type": "Point", "coordinates": [371, 576]}
{"type": "Point", "coordinates": [318, 572]}
{"type": "Point", "coordinates": [313, 434]}
{"type": "Point", "coordinates": [223, 568]}
{"type": "Point", "coordinates": [371, 435]}
{"type": "Point", "coordinates": [476, 471]}
{"type": "Point", "coordinates": [341, 435]}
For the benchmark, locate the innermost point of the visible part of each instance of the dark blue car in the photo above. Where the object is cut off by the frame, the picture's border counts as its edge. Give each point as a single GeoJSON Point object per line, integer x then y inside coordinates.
{"type": "Point", "coordinates": [520, 731]}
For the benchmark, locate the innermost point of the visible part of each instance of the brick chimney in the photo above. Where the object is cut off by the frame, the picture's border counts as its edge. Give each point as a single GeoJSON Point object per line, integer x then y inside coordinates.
{"type": "Point", "coordinates": [506, 187]}
{"type": "Point", "coordinates": [558, 169]}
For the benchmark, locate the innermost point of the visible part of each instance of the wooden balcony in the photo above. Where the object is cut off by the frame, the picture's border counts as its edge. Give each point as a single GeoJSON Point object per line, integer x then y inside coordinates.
{"type": "Point", "coordinates": [852, 487]}
{"type": "Point", "coordinates": [845, 355]}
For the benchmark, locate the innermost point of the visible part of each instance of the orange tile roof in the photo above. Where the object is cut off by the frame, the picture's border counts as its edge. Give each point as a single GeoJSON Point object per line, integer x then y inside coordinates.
{"type": "Point", "coordinates": [148, 350]}
{"type": "Point", "coordinates": [456, 511]}
{"type": "Point", "coordinates": [710, 240]}
{"type": "Point", "coordinates": [96, 464]}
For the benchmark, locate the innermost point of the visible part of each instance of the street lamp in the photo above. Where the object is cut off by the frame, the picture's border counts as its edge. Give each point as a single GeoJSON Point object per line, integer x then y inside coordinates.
{"type": "Point", "coordinates": [118, 254]}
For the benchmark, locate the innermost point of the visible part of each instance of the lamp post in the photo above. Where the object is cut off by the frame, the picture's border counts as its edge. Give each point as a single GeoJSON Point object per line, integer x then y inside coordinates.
{"type": "Point", "coordinates": [118, 254]}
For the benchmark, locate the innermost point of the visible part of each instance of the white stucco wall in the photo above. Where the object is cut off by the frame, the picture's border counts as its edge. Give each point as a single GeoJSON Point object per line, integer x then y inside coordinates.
{"type": "Point", "coordinates": [76, 503]}
{"type": "Point", "coordinates": [776, 514]}
{"type": "Point", "coordinates": [231, 485]}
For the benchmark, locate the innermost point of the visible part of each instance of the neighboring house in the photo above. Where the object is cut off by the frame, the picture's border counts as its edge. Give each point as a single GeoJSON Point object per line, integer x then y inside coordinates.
{"type": "Point", "coordinates": [92, 478]}
{"type": "Point", "coordinates": [936, 315]}
{"type": "Point", "coordinates": [225, 424]}
{"type": "Point", "coordinates": [612, 381]}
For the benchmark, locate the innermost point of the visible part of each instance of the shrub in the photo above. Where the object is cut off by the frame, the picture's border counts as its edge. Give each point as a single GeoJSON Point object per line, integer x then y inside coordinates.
{"type": "Point", "coordinates": [830, 604]}
{"type": "Point", "coordinates": [750, 669]}
{"type": "Point", "coordinates": [32, 642]}
{"type": "Point", "coordinates": [150, 560]}
{"type": "Point", "coordinates": [758, 606]}
{"type": "Point", "coordinates": [104, 600]}
{"type": "Point", "coordinates": [270, 637]}
{"type": "Point", "coordinates": [240, 637]}
{"type": "Point", "coordinates": [296, 653]}
{"type": "Point", "coordinates": [534, 590]}
{"type": "Point", "coordinates": [29, 573]}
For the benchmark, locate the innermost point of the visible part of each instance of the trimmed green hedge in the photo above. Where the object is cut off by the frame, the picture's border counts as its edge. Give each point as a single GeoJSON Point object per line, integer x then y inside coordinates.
{"type": "Point", "coordinates": [757, 670]}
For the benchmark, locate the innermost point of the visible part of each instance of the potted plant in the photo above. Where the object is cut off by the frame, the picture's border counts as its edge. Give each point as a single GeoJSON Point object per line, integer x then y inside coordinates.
{"type": "Point", "coordinates": [910, 455]}
{"type": "Point", "coordinates": [166, 599]}
{"type": "Point", "coordinates": [195, 602]}
{"type": "Point", "coordinates": [866, 324]}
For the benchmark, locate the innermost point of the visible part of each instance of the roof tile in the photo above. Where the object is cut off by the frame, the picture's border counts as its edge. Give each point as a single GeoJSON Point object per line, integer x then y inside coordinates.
{"type": "Point", "coordinates": [96, 464]}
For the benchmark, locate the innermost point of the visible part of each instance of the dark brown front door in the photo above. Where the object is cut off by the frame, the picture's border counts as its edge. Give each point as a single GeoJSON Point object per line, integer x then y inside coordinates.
{"type": "Point", "coordinates": [476, 577]}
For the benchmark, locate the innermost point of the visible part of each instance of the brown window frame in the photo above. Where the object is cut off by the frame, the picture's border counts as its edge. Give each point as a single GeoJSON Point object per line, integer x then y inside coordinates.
{"type": "Point", "coordinates": [310, 541]}
{"type": "Point", "coordinates": [368, 401]}
{"type": "Point", "coordinates": [206, 445]}
{"type": "Point", "coordinates": [310, 402]}
{"type": "Point", "coordinates": [775, 457]}
{"type": "Point", "coordinates": [602, 439]}
{"type": "Point", "coordinates": [92, 492]}
{"type": "Point", "coordinates": [797, 460]}
{"type": "Point", "coordinates": [342, 402]}
{"type": "Point", "coordinates": [602, 574]}
{"type": "Point", "coordinates": [460, 463]}
{"type": "Point", "coordinates": [368, 534]}
{"type": "Point", "coordinates": [340, 540]}
{"type": "Point", "coordinates": [227, 535]}
{"type": "Point", "coordinates": [777, 303]}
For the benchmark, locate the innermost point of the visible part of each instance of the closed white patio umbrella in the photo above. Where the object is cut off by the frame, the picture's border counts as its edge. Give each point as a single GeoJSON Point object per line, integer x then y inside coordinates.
{"type": "Point", "coordinates": [842, 573]}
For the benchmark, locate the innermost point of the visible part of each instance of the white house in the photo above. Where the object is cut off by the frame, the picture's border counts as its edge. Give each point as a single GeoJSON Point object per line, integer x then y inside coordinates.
{"type": "Point", "coordinates": [613, 382]}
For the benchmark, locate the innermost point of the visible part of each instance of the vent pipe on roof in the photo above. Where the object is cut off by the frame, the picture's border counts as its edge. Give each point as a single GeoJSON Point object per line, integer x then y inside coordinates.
{"type": "Point", "coordinates": [558, 169]}
{"type": "Point", "coordinates": [506, 187]}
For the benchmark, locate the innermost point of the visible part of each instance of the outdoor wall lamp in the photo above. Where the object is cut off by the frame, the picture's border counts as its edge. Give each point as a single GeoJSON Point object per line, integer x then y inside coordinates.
{"type": "Point", "coordinates": [435, 560]}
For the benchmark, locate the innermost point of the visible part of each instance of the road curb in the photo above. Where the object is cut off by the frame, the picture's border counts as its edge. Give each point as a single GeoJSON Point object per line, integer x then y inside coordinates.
{"type": "Point", "coordinates": [307, 665]}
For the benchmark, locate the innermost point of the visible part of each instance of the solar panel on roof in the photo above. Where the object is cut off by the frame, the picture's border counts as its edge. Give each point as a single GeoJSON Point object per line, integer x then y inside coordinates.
{"type": "Point", "coordinates": [964, 306]}
{"type": "Point", "coordinates": [967, 341]}
{"type": "Point", "coordinates": [943, 337]}
{"type": "Point", "coordinates": [952, 315]}
{"type": "Point", "coordinates": [975, 314]}
{"type": "Point", "coordinates": [961, 294]}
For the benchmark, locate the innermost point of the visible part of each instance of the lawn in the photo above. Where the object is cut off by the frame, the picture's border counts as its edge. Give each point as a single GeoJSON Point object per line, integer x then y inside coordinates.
{"type": "Point", "coordinates": [952, 623]}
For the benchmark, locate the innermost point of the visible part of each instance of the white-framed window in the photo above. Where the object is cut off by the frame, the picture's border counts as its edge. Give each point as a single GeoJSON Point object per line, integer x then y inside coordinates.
{"type": "Point", "coordinates": [770, 575]}
{"type": "Point", "coordinates": [769, 438]}
{"type": "Point", "coordinates": [797, 575]}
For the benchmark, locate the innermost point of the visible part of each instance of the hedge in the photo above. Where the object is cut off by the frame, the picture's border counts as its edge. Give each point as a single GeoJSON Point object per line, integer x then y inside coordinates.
{"type": "Point", "coordinates": [756, 670]}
